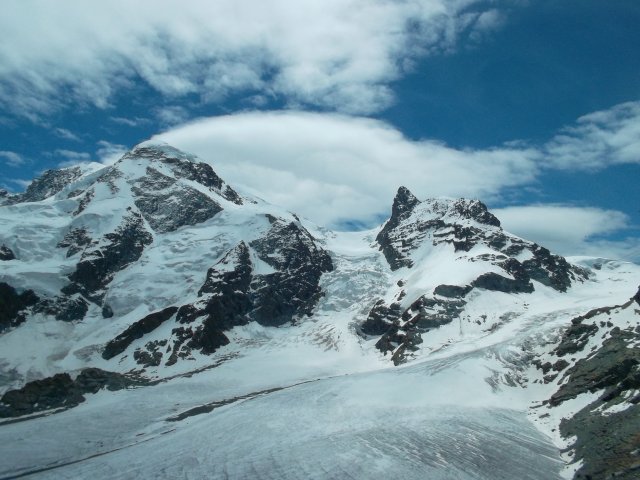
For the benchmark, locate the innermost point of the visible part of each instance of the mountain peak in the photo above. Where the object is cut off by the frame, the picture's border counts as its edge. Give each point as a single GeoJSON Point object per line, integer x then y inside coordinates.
{"type": "Point", "coordinates": [403, 204]}
{"type": "Point", "coordinates": [461, 208]}
{"type": "Point", "coordinates": [154, 150]}
{"type": "Point", "coordinates": [50, 183]}
{"type": "Point", "coordinates": [404, 201]}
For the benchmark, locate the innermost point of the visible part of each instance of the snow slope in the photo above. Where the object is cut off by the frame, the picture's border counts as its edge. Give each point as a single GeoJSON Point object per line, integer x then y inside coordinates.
{"type": "Point", "coordinates": [256, 344]}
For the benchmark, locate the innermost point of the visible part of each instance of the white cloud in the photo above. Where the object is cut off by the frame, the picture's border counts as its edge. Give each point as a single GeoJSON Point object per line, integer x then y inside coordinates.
{"type": "Point", "coordinates": [571, 230]}
{"type": "Point", "coordinates": [171, 115]}
{"type": "Point", "coordinates": [331, 167]}
{"type": "Point", "coordinates": [72, 155]}
{"type": "Point", "coordinates": [22, 184]}
{"type": "Point", "coordinates": [109, 153]}
{"type": "Point", "coordinates": [130, 122]}
{"type": "Point", "coordinates": [11, 159]}
{"type": "Point", "coordinates": [339, 54]}
{"type": "Point", "coordinates": [67, 134]}
{"type": "Point", "coordinates": [334, 168]}
{"type": "Point", "coordinates": [598, 140]}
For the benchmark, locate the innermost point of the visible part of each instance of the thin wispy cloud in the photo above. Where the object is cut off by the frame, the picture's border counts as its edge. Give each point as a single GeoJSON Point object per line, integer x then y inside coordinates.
{"type": "Point", "coordinates": [130, 122]}
{"type": "Point", "coordinates": [108, 152]}
{"type": "Point", "coordinates": [22, 184]}
{"type": "Point", "coordinates": [11, 159]}
{"type": "Point", "coordinates": [72, 155]}
{"type": "Point", "coordinates": [598, 140]}
{"type": "Point", "coordinates": [333, 54]}
{"type": "Point", "coordinates": [171, 115]}
{"type": "Point", "coordinates": [66, 134]}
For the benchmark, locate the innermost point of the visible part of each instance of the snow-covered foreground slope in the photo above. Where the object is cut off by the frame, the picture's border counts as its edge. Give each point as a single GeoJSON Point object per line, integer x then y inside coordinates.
{"type": "Point", "coordinates": [433, 420]}
{"type": "Point", "coordinates": [178, 329]}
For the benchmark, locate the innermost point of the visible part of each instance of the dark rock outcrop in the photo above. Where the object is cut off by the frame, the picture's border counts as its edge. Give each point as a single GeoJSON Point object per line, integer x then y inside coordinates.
{"type": "Point", "coordinates": [67, 308]}
{"type": "Point", "coordinates": [84, 201]}
{"type": "Point", "coordinates": [61, 391]}
{"type": "Point", "coordinates": [185, 166]}
{"type": "Point", "coordinates": [6, 253]}
{"type": "Point", "coordinates": [606, 444]}
{"type": "Point", "coordinates": [47, 185]}
{"type": "Point", "coordinates": [452, 291]}
{"type": "Point", "coordinates": [101, 262]}
{"type": "Point", "coordinates": [613, 367]}
{"type": "Point", "coordinates": [75, 241]}
{"type": "Point", "coordinates": [168, 204]}
{"type": "Point", "coordinates": [498, 283]}
{"type": "Point", "coordinates": [551, 270]}
{"type": "Point", "coordinates": [403, 204]}
{"type": "Point", "coordinates": [441, 221]}
{"type": "Point", "coordinates": [381, 318]}
{"type": "Point", "coordinates": [294, 289]}
{"type": "Point", "coordinates": [234, 294]}
{"type": "Point", "coordinates": [401, 332]}
{"type": "Point", "coordinates": [576, 337]}
{"type": "Point", "coordinates": [14, 305]}
{"type": "Point", "coordinates": [137, 330]}
{"type": "Point", "coordinates": [228, 290]}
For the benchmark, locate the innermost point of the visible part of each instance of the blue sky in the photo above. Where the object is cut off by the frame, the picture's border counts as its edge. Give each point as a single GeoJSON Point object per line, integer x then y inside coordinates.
{"type": "Point", "coordinates": [326, 107]}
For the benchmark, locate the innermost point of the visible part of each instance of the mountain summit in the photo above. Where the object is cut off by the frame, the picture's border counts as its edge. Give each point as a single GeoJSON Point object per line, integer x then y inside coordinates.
{"type": "Point", "coordinates": [153, 292]}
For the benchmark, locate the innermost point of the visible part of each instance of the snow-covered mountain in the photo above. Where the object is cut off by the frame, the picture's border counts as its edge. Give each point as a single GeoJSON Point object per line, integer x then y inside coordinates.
{"type": "Point", "coordinates": [156, 322]}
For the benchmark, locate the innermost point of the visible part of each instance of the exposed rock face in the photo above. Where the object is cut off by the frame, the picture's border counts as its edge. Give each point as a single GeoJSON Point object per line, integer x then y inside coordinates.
{"type": "Point", "coordinates": [75, 241]}
{"type": "Point", "coordinates": [116, 250]}
{"type": "Point", "coordinates": [403, 204]}
{"type": "Point", "coordinates": [61, 391]}
{"type": "Point", "coordinates": [401, 330]}
{"type": "Point", "coordinates": [293, 289]}
{"type": "Point", "coordinates": [464, 224]}
{"type": "Point", "coordinates": [86, 198]}
{"type": "Point", "coordinates": [381, 318]}
{"type": "Point", "coordinates": [64, 307]}
{"type": "Point", "coordinates": [6, 253]}
{"type": "Point", "coordinates": [168, 205]}
{"type": "Point", "coordinates": [14, 305]}
{"type": "Point", "coordinates": [236, 292]}
{"type": "Point", "coordinates": [452, 291]}
{"type": "Point", "coordinates": [185, 166]}
{"type": "Point", "coordinates": [47, 185]}
{"type": "Point", "coordinates": [612, 367]}
{"type": "Point", "coordinates": [493, 281]}
{"type": "Point", "coordinates": [137, 330]}
{"type": "Point", "coordinates": [551, 270]}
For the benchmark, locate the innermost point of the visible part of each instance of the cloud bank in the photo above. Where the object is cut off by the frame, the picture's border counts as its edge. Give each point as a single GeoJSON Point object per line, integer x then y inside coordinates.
{"type": "Point", "coordinates": [571, 230]}
{"type": "Point", "coordinates": [336, 169]}
{"type": "Point", "coordinates": [335, 54]}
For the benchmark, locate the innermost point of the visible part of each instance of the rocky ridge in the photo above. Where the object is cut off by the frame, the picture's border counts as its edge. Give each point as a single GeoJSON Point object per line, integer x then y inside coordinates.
{"type": "Point", "coordinates": [467, 232]}
{"type": "Point", "coordinates": [598, 354]}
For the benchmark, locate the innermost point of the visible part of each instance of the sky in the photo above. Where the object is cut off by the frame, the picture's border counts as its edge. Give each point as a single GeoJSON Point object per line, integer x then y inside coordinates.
{"type": "Point", "coordinates": [326, 107]}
